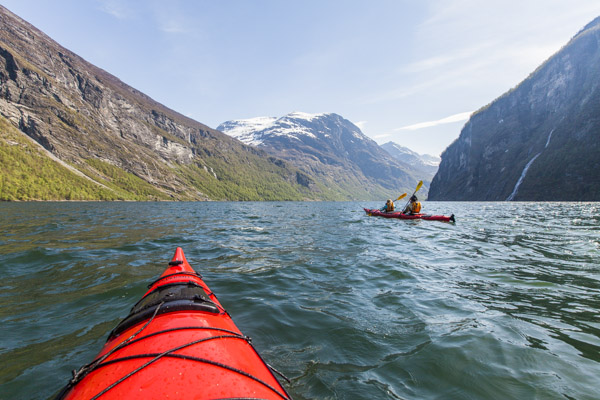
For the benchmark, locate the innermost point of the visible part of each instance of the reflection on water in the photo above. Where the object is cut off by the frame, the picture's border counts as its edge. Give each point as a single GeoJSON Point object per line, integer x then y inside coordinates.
{"type": "Point", "coordinates": [502, 304]}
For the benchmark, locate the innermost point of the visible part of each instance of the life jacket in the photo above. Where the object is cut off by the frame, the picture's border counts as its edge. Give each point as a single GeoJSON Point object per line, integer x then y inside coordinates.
{"type": "Point", "coordinates": [391, 207]}
{"type": "Point", "coordinates": [416, 208]}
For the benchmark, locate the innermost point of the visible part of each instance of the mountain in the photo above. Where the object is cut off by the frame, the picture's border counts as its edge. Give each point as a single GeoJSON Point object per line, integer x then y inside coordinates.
{"type": "Point", "coordinates": [424, 164]}
{"type": "Point", "coordinates": [330, 148]}
{"type": "Point", "coordinates": [538, 142]}
{"type": "Point", "coordinates": [70, 130]}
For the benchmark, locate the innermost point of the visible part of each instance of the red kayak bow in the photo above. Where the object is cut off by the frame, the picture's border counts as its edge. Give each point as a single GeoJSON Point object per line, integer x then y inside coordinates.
{"type": "Point", "coordinates": [178, 342]}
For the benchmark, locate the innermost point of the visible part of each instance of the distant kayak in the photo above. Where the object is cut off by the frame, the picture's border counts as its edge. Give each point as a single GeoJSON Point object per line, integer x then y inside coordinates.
{"type": "Point", "coordinates": [178, 342]}
{"type": "Point", "coordinates": [377, 213]}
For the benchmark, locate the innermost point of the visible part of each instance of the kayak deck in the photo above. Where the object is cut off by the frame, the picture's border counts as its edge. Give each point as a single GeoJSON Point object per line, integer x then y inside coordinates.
{"type": "Point", "coordinates": [177, 342]}
{"type": "Point", "coordinates": [399, 215]}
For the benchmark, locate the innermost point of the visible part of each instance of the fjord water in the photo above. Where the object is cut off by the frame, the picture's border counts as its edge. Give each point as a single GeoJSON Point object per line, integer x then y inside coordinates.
{"type": "Point", "coordinates": [504, 304]}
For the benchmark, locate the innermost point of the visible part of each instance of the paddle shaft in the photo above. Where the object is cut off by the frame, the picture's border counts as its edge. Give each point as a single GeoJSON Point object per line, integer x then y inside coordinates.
{"type": "Point", "coordinates": [415, 192]}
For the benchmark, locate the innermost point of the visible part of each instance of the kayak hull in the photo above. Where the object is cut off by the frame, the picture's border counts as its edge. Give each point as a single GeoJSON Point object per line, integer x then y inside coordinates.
{"type": "Point", "coordinates": [178, 342]}
{"type": "Point", "coordinates": [398, 215]}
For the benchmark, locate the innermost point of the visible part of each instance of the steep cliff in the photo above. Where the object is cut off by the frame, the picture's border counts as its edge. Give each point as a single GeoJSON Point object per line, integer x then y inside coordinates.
{"type": "Point", "coordinates": [118, 138]}
{"type": "Point", "coordinates": [539, 141]}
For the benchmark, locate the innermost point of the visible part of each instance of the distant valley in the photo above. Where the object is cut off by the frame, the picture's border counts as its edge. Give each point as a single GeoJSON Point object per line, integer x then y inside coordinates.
{"type": "Point", "coordinates": [423, 164]}
{"type": "Point", "coordinates": [335, 150]}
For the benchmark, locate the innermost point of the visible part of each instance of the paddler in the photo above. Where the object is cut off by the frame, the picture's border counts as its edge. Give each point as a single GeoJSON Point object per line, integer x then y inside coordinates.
{"type": "Point", "coordinates": [389, 206]}
{"type": "Point", "coordinates": [413, 206]}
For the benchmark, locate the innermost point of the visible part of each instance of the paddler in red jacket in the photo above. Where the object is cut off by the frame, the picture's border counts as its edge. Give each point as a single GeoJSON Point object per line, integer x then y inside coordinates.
{"type": "Point", "coordinates": [413, 207]}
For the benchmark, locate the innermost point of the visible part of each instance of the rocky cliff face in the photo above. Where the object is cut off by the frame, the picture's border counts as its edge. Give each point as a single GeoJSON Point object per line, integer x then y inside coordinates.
{"type": "Point", "coordinates": [330, 148]}
{"type": "Point", "coordinates": [89, 119]}
{"type": "Point", "coordinates": [540, 141]}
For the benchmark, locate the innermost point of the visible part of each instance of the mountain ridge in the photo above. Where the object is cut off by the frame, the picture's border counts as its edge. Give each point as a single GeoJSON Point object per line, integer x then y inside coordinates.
{"type": "Point", "coordinates": [425, 164]}
{"type": "Point", "coordinates": [330, 147]}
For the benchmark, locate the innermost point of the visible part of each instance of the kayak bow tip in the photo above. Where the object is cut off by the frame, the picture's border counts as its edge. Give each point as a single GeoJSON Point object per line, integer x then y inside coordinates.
{"type": "Point", "coordinates": [178, 262]}
{"type": "Point", "coordinates": [178, 257]}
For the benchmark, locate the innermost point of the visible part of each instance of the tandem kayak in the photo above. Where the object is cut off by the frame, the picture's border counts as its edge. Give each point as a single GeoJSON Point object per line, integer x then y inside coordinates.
{"type": "Point", "coordinates": [378, 213]}
{"type": "Point", "coordinates": [178, 342]}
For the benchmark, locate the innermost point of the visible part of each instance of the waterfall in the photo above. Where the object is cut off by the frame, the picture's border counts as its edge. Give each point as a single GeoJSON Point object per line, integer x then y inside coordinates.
{"type": "Point", "coordinates": [516, 188]}
{"type": "Point", "coordinates": [548, 140]}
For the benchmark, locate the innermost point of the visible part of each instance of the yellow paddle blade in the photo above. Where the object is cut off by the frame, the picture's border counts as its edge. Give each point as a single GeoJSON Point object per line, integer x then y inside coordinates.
{"type": "Point", "coordinates": [419, 186]}
{"type": "Point", "coordinates": [403, 195]}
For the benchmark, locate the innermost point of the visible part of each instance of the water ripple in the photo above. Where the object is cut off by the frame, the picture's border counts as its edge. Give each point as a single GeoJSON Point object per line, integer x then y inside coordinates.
{"type": "Point", "coordinates": [502, 304]}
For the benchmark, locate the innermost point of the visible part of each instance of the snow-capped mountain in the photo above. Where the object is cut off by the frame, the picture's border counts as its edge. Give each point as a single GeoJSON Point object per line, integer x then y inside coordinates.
{"type": "Point", "coordinates": [255, 131]}
{"type": "Point", "coordinates": [427, 163]}
{"type": "Point", "coordinates": [329, 147]}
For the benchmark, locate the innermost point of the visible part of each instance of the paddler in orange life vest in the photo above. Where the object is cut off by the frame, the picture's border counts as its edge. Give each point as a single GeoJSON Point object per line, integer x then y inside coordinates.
{"type": "Point", "coordinates": [389, 206]}
{"type": "Point", "coordinates": [413, 207]}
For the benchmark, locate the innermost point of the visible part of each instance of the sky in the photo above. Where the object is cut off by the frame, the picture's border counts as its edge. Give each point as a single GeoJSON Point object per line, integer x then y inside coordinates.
{"type": "Point", "coordinates": [405, 71]}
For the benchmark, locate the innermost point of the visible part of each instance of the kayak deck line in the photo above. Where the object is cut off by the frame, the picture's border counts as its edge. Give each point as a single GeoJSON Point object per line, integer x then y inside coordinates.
{"type": "Point", "coordinates": [173, 343]}
{"type": "Point", "coordinates": [82, 372]}
{"type": "Point", "coordinates": [169, 353]}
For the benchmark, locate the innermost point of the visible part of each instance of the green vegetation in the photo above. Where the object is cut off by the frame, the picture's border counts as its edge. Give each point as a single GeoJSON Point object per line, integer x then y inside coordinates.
{"type": "Point", "coordinates": [244, 184]}
{"type": "Point", "coordinates": [126, 184]}
{"type": "Point", "coordinates": [29, 174]}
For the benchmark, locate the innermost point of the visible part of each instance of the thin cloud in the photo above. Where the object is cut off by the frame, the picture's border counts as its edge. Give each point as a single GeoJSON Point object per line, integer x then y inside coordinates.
{"type": "Point", "coordinates": [172, 26]}
{"type": "Point", "coordinates": [448, 120]}
{"type": "Point", "coordinates": [116, 9]}
{"type": "Point", "coordinates": [170, 18]}
{"type": "Point", "coordinates": [361, 125]}
{"type": "Point", "coordinates": [382, 136]}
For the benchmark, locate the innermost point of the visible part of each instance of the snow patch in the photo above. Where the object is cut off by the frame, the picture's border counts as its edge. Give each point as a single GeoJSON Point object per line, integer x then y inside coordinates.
{"type": "Point", "coordinates": [293, 131]}
{"type": "Point", "coordinates": [305, 116]}
{"type": "Point", "coordinates": [245, 129]}
{"type": "Point", "coordinates": [295, 125]}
